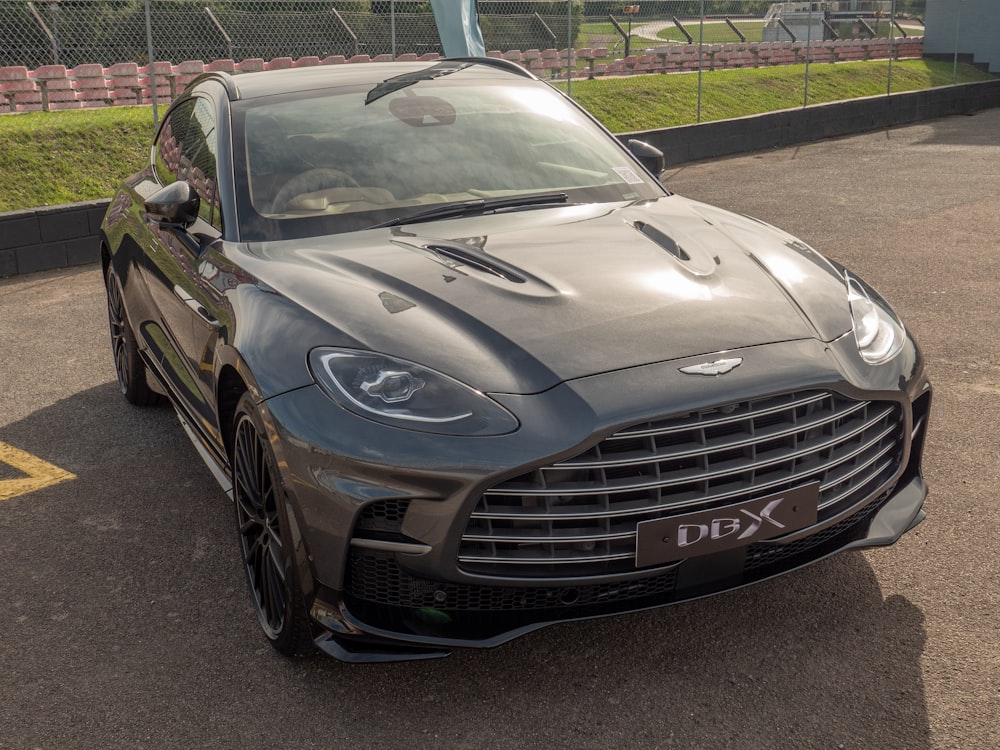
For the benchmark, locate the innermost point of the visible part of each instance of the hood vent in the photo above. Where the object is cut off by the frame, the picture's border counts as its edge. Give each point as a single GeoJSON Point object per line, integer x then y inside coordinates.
{"type": "Point", "coordinates": [481, 261]}
{"type": "Point", "coordinates": [663, 240]}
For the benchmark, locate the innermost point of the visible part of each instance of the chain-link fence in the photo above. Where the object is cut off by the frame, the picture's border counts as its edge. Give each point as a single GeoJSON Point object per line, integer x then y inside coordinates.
{"type": "Point", "coordinates": [74, 32]}
{"type": "Point", "coordinates": [579, 44]}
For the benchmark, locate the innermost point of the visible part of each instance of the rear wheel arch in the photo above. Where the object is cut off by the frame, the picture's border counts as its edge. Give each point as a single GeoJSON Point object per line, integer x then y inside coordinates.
{"type": "Point", "coordinates": [105, 257]}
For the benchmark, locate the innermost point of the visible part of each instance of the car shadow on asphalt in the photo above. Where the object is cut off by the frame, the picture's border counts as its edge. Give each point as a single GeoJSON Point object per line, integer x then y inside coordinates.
{"type": "Point", "coordinates": [125, 582]}
{"type": "Point", "coordinates": [954, 131]}
{"type": "Point", "coordinates": [814, 659]}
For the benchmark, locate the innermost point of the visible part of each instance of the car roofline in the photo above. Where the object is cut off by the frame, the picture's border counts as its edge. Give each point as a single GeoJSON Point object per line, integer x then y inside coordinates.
{"type": "Point", "coordinates": [226, 79]}
{"type": "Point", "coordinates": [497, 62]}
{"type": "Point", "coordinates": [230, 81]}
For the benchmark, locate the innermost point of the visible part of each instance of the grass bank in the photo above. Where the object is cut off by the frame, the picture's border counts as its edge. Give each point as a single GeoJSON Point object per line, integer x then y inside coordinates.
{"type": "Point", "coordinates": [65, 157]}
{"type": "Point", "coordinates": [659, 101]}
{"type": "Point", "coordinates": [51, 158]}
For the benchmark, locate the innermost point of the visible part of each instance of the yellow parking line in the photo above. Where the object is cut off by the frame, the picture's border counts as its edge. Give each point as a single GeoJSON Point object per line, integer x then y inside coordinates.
{"type": "Point", "coordinates": [41, 474]}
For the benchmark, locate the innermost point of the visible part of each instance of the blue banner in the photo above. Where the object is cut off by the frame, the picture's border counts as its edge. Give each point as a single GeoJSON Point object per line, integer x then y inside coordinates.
{"type": "Point", "coordinates": [458, 27]}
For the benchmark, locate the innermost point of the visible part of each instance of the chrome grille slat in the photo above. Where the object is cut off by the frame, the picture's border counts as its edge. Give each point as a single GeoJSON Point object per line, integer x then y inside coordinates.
{"type": "Point", "coordinates": [651, 457]}
{"type": "Point", "coordinates": [854, 454]}
{"type": "Point", "coordinates": [626, 434]}
{"type": "Point", "coordinates": [843, 495]}
{"type": "Point", "coordinates": [546, 560]}
{"type": "Point", "coordinates": [857, 470]}
{"type": "Point", "coordinates": [631, 534]}
{"type": "Point", "coordinates": [584, 510]}
{"type": "Point", "coordinates": [705, 500]}
{"type": "Point", "coordinates": [530, 539]}
{"type": "Point", "coordinates": [691, 476]}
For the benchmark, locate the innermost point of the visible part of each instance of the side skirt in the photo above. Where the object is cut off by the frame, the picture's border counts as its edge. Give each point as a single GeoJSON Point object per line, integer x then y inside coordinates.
{"type": "Point", "coordinates": [217, 469]}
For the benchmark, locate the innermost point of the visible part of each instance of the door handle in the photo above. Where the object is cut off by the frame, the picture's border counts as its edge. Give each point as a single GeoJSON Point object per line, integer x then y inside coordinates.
{"type": "Point", "coordinates": [199, 309]}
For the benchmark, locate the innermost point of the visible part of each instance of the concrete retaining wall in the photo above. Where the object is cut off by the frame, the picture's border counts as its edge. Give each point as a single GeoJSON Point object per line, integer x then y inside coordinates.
{"type": "Point", "coordinates": [55, 237]}
{"type": "Point", "coordinates": [61, 236]}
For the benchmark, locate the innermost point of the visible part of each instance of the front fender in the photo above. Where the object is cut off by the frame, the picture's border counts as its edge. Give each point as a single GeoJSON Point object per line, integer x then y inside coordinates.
{"type": "Point", "coordinates": [269, 339]}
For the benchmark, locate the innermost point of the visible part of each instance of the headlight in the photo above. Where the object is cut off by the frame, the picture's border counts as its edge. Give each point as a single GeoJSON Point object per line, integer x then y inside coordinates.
{"type": "Point", "coordinates": [403, 394]}
{"type": "Point", "coordinates": [878, 331]}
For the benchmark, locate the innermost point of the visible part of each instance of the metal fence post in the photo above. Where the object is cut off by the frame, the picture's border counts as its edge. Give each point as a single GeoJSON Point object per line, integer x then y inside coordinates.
{"type": "Point", "coordinates": [53, 42]}
{"type": "Point", "coordinates": [701, 52]}
{"type": "Point", "coordinates": [222, 31]}
{"type": "Point", "coordinates": [958, 23]}
{"type": "Point", "coordinates": [348, 29]}
{"type": "Point", "coordinates": [569, 48]}
{"type": "Point", "coordinates": [892, 45]}
{"type": "Point", "coordinates": [54, 9]}
{"type": "Point", "coordinates": [152, 67]}
{"type": "Point", "coordinates": [809, 33]}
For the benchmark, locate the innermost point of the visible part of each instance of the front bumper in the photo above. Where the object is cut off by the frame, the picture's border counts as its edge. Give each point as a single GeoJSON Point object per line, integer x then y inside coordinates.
{"type": "Point", "coordinates": [418, 601]}
{"type": "Point", "coordinates": [354, 632]}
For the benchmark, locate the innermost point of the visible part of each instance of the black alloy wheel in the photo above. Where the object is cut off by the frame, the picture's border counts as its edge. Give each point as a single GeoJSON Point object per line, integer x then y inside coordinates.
{"type": "Point", "coordinates": [264, 542]}
{"type": "Point", "coordinates": [129, 367]}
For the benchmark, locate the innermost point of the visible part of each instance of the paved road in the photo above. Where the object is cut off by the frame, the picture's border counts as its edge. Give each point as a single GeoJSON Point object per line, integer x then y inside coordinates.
{"type": "Point", "coordinates": [124, 621]}
{"type": "Point", "coordinates": [650, 29]}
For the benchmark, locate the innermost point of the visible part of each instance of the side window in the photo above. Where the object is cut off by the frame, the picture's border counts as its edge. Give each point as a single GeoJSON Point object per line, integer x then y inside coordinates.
{"type": "Point", "coordinates": [186, 150]}
{"type": "Point", "coordinates": [169, 142]}
{"type": "Point", "coordinates": [198, 157]}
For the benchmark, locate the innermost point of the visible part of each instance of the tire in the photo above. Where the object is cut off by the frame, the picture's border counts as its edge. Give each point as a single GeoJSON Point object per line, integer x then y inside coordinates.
{"type": "Point", "coordinates": [264, 537]}
{"type": "Point", "coordinates": [129, 367]}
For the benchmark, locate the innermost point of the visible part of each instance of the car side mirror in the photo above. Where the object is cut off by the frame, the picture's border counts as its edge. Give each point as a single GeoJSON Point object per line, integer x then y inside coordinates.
{"type": "Point", "coordinates": [176, 205]}
{"type": "Point", "coordinates": [649, 156]}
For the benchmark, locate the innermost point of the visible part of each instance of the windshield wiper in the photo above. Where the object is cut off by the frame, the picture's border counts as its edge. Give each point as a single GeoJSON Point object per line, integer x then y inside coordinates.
{"type": "Point", "coordinates": [396, 83]}
{"type": "Point", "coordinates": [477, 206]}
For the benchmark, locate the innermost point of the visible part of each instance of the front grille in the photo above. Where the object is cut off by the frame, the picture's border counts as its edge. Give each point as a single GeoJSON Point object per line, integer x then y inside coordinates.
{"type": "Point", "coordinates": [375, 577]}
{"type": "Point", "coordinates": [382, 515]}
{"type": "Point", "coordinates": [380, 593]}
{"type": "Point", "coordinates": [578, 516]}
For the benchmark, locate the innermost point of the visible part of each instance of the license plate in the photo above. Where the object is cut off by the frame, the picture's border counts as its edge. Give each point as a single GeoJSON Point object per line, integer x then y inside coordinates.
{"type": "Point", "coordinates": [706, 531]}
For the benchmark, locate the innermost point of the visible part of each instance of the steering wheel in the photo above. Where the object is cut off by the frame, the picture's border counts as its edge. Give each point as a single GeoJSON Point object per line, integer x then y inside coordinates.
{"type": "Point", "coordinates": [310, 182]}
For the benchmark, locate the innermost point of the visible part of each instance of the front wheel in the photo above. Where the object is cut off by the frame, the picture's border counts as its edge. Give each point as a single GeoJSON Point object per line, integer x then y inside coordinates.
{"type": "Point", "coordinates": [265, 542]}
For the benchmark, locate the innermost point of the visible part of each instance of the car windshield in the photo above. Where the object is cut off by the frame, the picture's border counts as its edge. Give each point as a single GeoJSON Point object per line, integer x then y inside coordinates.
{"type": "Point", "coordinates": [324, 162]}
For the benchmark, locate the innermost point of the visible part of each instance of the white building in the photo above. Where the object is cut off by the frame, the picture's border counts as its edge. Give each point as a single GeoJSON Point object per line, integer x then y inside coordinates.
{"type": "Point", "coordinates": [970, 27]}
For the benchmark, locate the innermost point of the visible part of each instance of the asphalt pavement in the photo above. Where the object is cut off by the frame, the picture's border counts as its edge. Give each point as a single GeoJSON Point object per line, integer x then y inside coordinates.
{"type": "Point", "coordinates": [125, 624]}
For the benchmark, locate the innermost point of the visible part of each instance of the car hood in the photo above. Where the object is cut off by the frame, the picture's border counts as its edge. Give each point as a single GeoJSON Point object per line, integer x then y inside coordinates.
{"type": "Point", "coordinates": [520, 301]}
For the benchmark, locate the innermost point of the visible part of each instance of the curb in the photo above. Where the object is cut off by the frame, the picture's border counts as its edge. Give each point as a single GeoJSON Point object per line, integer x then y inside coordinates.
{"type": "Point", "coordinates": [61, 236]}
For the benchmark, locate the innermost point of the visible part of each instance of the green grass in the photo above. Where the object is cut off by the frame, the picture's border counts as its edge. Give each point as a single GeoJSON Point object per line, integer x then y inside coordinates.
{"type": "Point", "coordinates": [65, 157]}
{"type": "Point", "coordinates": [657, 101]}
{"type": "Point", "coordinates": [716, 32]}
{"type": "Point", "coordinates": [51, 158]}
{"type": "Point", "coordinates": [605, 35]}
